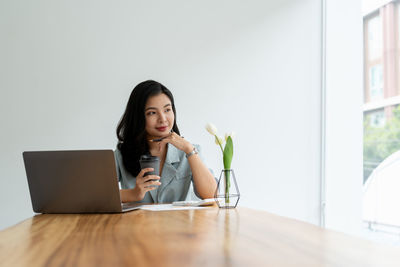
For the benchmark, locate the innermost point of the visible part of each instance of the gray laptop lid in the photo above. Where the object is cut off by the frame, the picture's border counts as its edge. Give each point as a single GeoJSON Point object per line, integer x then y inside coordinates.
{"type": "Point", "coordinates": [82, 181]}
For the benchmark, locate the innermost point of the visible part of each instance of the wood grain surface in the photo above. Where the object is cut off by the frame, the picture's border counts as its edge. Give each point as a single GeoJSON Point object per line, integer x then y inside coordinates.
{"type": "Point", "coordinates": [208, 237]}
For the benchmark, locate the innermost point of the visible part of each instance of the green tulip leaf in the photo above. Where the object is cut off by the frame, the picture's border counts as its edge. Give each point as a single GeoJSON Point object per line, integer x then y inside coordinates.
{"type": "Point", "coordinates": [228, 153]}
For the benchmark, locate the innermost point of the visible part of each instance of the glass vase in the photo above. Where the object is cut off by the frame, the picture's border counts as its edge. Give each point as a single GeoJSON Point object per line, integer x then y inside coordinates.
{"type": "Point", "coordinates": [227, 194]}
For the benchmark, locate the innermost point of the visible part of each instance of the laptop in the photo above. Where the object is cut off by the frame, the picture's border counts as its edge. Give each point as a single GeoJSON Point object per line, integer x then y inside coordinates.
{"type": "Point", "coordinates": [80, 181]}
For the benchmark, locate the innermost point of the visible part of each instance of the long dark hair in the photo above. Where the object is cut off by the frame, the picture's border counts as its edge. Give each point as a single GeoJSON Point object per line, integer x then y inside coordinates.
{"type": "Point", "coordinates": [131, 128]}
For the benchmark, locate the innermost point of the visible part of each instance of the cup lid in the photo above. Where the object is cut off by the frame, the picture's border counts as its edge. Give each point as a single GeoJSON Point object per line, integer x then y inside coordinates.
{"type": "Point", "coordinates": [148, 158]}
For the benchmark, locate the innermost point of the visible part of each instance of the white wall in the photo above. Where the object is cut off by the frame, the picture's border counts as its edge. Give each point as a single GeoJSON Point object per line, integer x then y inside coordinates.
{"type": "Point", "coordinates": [344, 115]}
{"type": "Point", "coordinates": [68, 67]}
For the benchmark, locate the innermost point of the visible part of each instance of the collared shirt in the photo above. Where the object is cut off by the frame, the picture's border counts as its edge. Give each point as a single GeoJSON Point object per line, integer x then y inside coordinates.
{"type": "Point", "coordinates": [176, 178]}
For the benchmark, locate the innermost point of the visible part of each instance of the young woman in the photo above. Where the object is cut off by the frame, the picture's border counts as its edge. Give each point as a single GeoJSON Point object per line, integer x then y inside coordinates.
{"type": "Point", "coordinates": [150, 114]}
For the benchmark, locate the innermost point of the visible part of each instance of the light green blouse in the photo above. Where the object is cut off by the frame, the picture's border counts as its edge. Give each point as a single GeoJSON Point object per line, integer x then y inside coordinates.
{"type": "Point", "coordinates": [176, 178]}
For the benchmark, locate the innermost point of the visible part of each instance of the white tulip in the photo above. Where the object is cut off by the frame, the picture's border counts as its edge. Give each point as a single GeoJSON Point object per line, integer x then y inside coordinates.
{"type": "Point", "coordinates": [211, 128]}
{"type": "Point", "coordinates": [231, 134]}
{"type": "Point", "coordinates": [219, 140]}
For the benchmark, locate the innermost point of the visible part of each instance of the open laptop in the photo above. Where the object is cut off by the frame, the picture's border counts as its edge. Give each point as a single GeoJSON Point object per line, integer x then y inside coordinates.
{"type": "Point", "coordinates": [82, 181]}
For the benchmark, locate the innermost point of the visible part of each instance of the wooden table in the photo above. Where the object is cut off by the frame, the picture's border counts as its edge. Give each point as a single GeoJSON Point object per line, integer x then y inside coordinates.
{"type": "Point", "coordinates": [208, 237]}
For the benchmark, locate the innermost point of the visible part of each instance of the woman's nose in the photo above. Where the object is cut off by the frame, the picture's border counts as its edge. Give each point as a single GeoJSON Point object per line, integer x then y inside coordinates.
{"type": "Point", "coordinates": [162, 117]}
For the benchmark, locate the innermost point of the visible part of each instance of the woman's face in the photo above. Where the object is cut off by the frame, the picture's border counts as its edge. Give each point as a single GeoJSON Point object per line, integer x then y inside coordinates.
{"type": "Point", "coordinates": [159, 116]}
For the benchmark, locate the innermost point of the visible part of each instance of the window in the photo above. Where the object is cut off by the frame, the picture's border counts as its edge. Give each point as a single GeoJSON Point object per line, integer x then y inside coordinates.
{"type": "Point", "coordinates": [382, 118]}
{"type": "Point", "coordinates": [377, 119]}
{"type": "Point", "coordinates": [376, 82]}
{"type": "Point", "coordinates": [373, 45]}
{"type": "Point", "coordinates": [375, 38]}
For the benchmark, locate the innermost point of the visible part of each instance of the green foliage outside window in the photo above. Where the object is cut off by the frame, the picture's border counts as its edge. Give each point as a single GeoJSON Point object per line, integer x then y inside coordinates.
{"type": "Point", "coordinates": [380, 142]}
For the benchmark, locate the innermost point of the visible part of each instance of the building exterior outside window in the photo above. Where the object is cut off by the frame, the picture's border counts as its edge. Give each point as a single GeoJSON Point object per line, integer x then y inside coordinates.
{"type": "Point", "coordinates": [381, 68]}
{"type": "Point", "coordinates": [382, 115]}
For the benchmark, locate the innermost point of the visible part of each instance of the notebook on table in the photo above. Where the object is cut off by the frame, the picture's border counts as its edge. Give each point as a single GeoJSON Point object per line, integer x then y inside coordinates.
{"type": "Point", "coordinates": [74, 181]}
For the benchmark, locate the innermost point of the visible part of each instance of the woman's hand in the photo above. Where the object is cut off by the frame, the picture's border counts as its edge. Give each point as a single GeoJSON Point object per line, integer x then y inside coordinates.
{"type": "Point", "coordinates": [145, 183]}
{"type": "Point", "coordinates": [177, 141]}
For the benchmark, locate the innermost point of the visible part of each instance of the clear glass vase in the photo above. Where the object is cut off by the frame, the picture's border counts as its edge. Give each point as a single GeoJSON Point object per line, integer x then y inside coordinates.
{"type": "Point", "coordinates": [227, 194]}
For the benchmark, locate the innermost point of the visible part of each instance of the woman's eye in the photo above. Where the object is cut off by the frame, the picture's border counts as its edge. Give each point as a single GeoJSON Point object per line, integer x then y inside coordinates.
{"type": "Point", "coordinates": [150, 113]}
{"type": "Point", "coordinates": [168, 110]}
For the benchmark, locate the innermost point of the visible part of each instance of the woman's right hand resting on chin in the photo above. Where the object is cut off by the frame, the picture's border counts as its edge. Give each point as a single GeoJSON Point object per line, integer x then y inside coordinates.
{"type": "Point", "coordinates": [143, 184]}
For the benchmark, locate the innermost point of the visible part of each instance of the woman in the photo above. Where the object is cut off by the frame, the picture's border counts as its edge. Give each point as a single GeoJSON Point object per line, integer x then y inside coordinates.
{"type": "Point", "coordinates": [150, 115]}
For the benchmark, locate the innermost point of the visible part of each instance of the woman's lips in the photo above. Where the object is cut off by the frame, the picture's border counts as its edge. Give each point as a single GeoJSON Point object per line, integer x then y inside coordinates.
{"type": "Point", "coordinates": [162, 129]}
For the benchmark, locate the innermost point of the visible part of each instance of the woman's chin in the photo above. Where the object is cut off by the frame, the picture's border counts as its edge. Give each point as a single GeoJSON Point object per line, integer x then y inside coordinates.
{"type": "Point", "coordinates": [157, 135]}
{"type": "Point", "coordinates": [164, 133]}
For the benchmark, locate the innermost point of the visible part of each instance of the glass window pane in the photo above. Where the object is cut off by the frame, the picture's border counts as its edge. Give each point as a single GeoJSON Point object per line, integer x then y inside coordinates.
{"type": "Point", "coordinates": [376, 82]}
{"type": "Point", "coordinates": [375, 38]}
{"type": "Point", "coordinates": [377, 119]}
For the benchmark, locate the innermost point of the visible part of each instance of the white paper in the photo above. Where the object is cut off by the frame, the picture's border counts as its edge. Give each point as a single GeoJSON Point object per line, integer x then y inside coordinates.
{"type": "Point", "coordinates": [164, 207]}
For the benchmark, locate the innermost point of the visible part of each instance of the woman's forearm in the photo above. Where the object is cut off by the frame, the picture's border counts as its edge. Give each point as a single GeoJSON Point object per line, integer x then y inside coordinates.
{"type": "Point", "coordinates": [129, 195]}
{"type": "Point", "coordinates": [203, 179]}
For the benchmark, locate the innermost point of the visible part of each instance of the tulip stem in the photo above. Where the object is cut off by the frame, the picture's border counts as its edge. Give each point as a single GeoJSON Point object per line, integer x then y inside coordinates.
{"type": "Point", "coordinates": [219, 143]}
{"type": "Point", "coordinates": [227, 185]}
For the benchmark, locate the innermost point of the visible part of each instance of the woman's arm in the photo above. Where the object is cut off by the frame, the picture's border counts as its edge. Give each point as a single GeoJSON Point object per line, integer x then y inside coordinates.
{"type": "Point", "coordinates": [130, 195]}
{"type": "Point", "coordinates": [202, 177]}
{"type": "Point", "coordinates": [143, 184]}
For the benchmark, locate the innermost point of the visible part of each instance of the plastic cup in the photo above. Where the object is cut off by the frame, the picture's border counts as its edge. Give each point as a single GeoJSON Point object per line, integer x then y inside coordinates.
{"type": "Point", "coordinates": [147, 161]}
